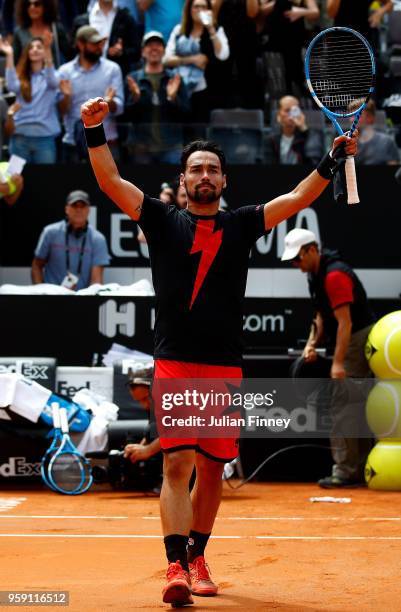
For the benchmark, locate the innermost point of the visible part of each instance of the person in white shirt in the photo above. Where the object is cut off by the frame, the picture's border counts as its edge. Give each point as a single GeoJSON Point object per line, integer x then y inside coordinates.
{"type": "Point", "coordinates": [193, 46]}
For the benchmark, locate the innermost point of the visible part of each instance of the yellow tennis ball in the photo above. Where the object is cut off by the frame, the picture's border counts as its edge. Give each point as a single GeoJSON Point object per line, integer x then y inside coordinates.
{"type": "Point", "coordinates": [383, 466]}
{"type": "Point", "coordinates": [383, 409]}
{"type": "Point", "coordinates": [383, 346]}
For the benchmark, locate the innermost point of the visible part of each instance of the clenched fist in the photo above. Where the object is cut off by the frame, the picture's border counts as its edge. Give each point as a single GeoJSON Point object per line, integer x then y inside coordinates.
{"type": "Point", "coordinates": [94, 111]}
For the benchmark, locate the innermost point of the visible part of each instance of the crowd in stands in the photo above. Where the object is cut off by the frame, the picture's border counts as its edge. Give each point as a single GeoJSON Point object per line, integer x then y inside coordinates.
{"type": "Point", "coordinates": [165, 66]}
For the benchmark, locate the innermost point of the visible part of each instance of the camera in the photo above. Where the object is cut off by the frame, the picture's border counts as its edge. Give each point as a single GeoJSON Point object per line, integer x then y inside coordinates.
{"type": "Point", "coordinates": [112, 467]}
{"type": "Point", "coordinates": [294, 112]}
{"type": "Point", "coordinates": [206, 18]}
{"type": "Point", "coordinates": [124, 475]}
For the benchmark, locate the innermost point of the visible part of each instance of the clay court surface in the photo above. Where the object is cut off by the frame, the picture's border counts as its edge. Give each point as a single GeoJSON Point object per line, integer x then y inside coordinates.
{"type": "Point", "coordinates": [272, 549]}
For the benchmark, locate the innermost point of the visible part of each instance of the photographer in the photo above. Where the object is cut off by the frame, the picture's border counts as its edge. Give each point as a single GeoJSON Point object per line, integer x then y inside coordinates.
{"type": "Point", "coordinates": [293, 142]}
{"type": "Point", "coordinates": [139, 387]}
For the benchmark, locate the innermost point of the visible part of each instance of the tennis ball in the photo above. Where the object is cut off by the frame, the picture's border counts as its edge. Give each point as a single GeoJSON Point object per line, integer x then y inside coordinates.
{"type": "Point", "coordinates": [383, 346]}
{"type": "Point", "coordinates": [383, 466]}
{"type": "Point", "coordinates": [383, 409]}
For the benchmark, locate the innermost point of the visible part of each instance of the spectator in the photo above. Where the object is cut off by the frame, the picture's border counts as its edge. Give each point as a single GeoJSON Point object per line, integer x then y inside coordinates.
{"type": "Point", "coordinates": [71, 253]}
{"type": "Point", "coordinates": [173, 193]}
{"type": "Point", "coordinates": [193, 45]}
{"type": "Point", "coordinates": [89, 72]}
{"type": "Point", "coordinates": [131, 5]}
{"type": "Point", "coordinates": [343, 319]}
{"type": "Point", "coordinates": [359, 15]}
{"type": "Point", "coordinates": [10, 186]}
{"type": "Point", "coordinates": [161, 15]}
{"type": "Point", "coordinates": [69, 9]}
{"type": "Point", "coordinates": [123, 36]}
{"type": "Point", "coordinates": [39, 18]}
{"type": "Point", "coordinates": [287, 35]}
{"type": "Point", "coordinates": [179, 194]}
{"type": "Point", "coordinates": [157, 101]}
{"type": "Point", "coordinates": [236, 82]}
{"type": "Point", "coordinates": [36, 124]}
{"type": "Point", "coordinates": [293, 142]}
{"type": "Point", "coordinates": [374, 147]}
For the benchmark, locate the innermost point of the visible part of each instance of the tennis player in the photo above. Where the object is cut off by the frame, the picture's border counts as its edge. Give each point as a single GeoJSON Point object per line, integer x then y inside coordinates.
{"type": "Point", "coordinates": [199, 258]}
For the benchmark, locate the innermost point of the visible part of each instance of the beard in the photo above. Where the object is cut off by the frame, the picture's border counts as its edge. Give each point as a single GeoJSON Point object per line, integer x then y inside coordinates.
{"type": "Point", "coordinates": [203, 198]}
{"type": "Point", "coordinates": [92, 56]}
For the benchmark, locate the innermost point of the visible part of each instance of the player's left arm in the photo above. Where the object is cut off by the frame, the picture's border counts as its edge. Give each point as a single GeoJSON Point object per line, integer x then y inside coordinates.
{"type": "Point", "coordinates": [306, 192]}
{"type": "Point", "coordinates": [344, 330]}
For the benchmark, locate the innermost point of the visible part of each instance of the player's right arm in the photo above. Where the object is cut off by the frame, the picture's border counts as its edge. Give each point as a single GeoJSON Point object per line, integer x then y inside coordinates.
{"type": "Point", "coordinates": [124, 193]}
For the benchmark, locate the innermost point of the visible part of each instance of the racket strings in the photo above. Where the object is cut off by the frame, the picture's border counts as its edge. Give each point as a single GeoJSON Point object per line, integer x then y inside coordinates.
{"type": "Point", "coordinates": [341, 70]}
{"type": "Point", "coordinates": [69, 473]}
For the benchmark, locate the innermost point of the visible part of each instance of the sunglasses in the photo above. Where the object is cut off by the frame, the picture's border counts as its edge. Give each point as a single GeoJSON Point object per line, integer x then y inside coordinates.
{"type": "Point", "coordinates": [35, 3]}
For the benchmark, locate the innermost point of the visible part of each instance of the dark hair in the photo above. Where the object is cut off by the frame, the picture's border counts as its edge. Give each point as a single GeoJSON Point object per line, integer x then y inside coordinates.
{"type": "Point", "coordinates": [187, 22]}
{"type": "Point", "coordinates": [22, 18]}
{"type": "Point", "coordinates": [203, 145]}
{"type": "Point", "coordinates": [24, 70]}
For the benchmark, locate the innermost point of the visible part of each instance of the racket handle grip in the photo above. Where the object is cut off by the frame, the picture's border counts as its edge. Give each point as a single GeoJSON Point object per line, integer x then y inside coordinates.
{"type": "Point", "coordinates": [64, 421]}
{"type": "Point", "coordinates": [350, 176]}
{"type": "Point", "coordinates": [56, 415]}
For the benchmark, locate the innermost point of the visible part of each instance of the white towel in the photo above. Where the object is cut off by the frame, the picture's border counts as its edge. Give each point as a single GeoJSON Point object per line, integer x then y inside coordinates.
{"type": "Point", "coordinates": [25, 397]}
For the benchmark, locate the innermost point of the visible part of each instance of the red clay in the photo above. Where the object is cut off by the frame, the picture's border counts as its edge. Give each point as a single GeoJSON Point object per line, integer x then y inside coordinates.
{"type": "Point", "coordinates": [315, 556]}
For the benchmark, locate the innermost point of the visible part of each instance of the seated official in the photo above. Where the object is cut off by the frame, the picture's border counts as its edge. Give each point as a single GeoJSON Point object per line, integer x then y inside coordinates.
{"type": "Point", "coordinates": [71, 253]}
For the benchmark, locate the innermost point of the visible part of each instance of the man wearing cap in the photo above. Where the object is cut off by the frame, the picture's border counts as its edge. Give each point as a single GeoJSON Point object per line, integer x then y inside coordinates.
{"type": "Point", "coordinates": [120, 30]}
{"type": "Point", "coordinates": [156, 107]}
{"type": "Point", "coordinates": [343, 319]}
{"type": "Point", "coordinates": [89, 74]}
{"type": "Point", "coordinates": [71, 253]}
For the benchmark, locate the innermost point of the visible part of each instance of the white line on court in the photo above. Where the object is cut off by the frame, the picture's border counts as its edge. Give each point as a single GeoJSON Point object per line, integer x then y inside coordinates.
{"type": "Point", "coordinates": [296, 518]}
{"type": "Point", "coordinates": [60, 516]}
{"type": "Point", "coordinates": [101, 535]}
{"type": "Point", "coordinates": [230, 537]}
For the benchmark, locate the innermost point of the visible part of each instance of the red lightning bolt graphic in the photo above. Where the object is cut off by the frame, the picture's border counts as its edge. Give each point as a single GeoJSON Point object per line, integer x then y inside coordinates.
{"type": "Point", "coordinates": [208, 243]}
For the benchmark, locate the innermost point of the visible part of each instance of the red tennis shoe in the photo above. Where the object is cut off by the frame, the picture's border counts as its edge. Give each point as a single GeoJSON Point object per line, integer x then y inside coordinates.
{"type": "Point", "coordinates": [202, 584]}
{"type": "Point", "coordinates": [177, 591]}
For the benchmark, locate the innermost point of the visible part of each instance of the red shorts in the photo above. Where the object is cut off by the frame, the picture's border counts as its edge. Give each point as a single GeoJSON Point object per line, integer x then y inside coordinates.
{"type": "Point", "coordinates": [218, 449]}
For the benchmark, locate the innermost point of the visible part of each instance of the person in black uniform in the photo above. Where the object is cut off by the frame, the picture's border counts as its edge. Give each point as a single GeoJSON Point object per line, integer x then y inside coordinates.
{"type": "Point", "coordinates": [199, 258]}
{"type": "Point", "coordinates": [343, 320]}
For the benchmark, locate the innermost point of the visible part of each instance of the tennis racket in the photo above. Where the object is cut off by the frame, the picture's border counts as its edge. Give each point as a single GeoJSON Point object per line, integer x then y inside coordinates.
{"type": "Point", "coordinates": [69, 472]}
{"type": "Point", "coordinates": [340, 73]}
{"type": "Point", "coordinates": [56, 442]}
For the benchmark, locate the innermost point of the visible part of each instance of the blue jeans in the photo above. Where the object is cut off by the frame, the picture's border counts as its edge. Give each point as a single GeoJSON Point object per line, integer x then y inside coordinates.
{"type": "Point", "coordinates": [35, 149]}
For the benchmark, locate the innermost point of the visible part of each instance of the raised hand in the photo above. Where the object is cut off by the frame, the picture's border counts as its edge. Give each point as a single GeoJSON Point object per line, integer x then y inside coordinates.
{"type": "Point", "coordinates": [173, 86]}
{"type": "Point", "coordinates": [134, 88]}
{"type": "Point", "coordinates": [6, 47]}
{"type": "Point", "coordinates": [117, 49]}
{"type": "Point", "coordinates": [65, 87]}
{"type": "Point", "coordinates": [94, 111]}
{"type": "Point", "coordinates": [351, 144]}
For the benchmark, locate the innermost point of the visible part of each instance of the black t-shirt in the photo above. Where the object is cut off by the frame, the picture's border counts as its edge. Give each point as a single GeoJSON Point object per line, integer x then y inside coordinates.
{"type": "Point", "coordinates": [199, 269]}
{"type": "Point", "coordinates": [354, 14]}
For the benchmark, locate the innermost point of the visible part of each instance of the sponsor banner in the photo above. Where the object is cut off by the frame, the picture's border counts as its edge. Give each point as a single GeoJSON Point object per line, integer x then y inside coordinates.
{"type": "Point", "coordinates": [18, 467]}
{"type": "Point", "coordinates": [271, 326]}
{"type": "Point", "coordinates": [342, 227]}
{"type": "Point", "coordinates": [40, 369]}
{"type": "Point", "coordinates": [188, 409]}
{"type": "Point", "coordinates": [70, 380]}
